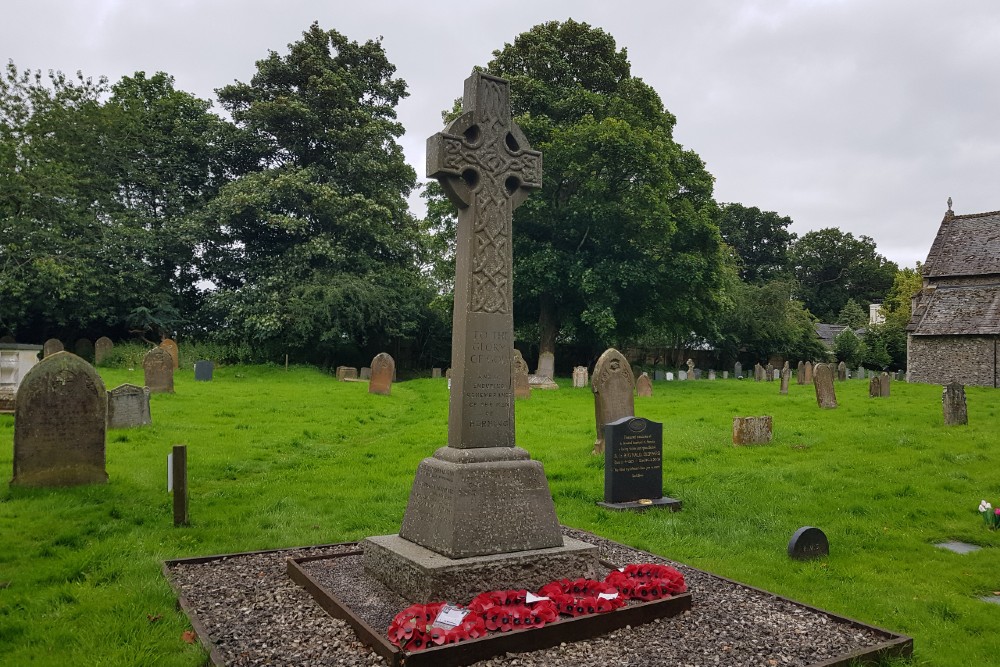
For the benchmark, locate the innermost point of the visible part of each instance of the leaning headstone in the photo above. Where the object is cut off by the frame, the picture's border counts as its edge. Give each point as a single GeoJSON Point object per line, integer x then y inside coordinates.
{"type": "Point", "coordinates": [953, 404]}
{"type": "Point", "coordinates": [752, 430]}
{"type": "Point", "coordinates": [841, 371]}
{"type": "Point", "coordinates": [580, 377]}
{"type": "Point", "coordinates": [365, 373]}
{"type": "Point", "coordinates": [458, 535]}
{"type": "Point", "coordinates": [345, 373]}
{"type": "Point", "coordinates": [883, 385]}
{"type": "Point", "coordinates": [633, 465]}
{"type": "Point", "coordinates": [435, 373]}
{"type": "Point", "coordinates": [102, 348]}
{"type": "Point", "coordinates": [59, 424]}
{"type": "Point", "coordinates": [800, 373]}
{"type": "Point", "coordinates": [383, 371]}
{"type": "Point", "coordinates": [786, 375]}
{"type": "Point", "coordinates": [682, 375]}
{"type": "Point", "coordinates": [670, 376]}
{"type": "Point", "coordinates": [643, 385]}
{"type": "Point", "coordinates": [807, 543]}
{"type": "Point", "coordinates": [203, 370]}
{"type": "Point", "coordinates": [128, 406]}
{"type": "Point", "coordinates": [522, 388]}
{"type": "Point", "coordinates": [711, 374]}
{"type": "Point", "coordinates": [158, 368]}
{"type": "Point", "coordinates": [738, 370]}
{"type": "Point", "coordinates": [826, 396]}
{"type": "Point", "coordinates": [614, 386]}
{"type": "Point", "coordinates": [51, 346]}
{"type": "Point", "coordinates": [170, 346]}
{"type": "Point", "coordinates": [84, 349]}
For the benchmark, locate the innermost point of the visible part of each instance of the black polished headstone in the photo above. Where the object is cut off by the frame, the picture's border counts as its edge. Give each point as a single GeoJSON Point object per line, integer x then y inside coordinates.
{"type": "Point", "coordinates": [633, 465]}
{"type": "Point", "coordinates": [807, 543]}
{"type": "Point", "coordinates": [203, 370]}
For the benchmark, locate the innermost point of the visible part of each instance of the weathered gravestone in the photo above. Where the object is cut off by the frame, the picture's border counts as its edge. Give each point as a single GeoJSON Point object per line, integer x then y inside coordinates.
{"type": "Point", "coordinates": [84, 349]}
{"type": "Point", "coordinates": [697, 374]}
{"type": "Point", "coordinates": [860, 373]}
{"type": "Point", "coordinates": [633, 465]}
{"type": "Point", "coordinates": [435, 373]}
{"type": "Point", "coordinates": [807, 543]}
{"type": "Point", "coordinates": [776, 374]}
{"type": "Point", "coordinates": [59, 424]}
{"type": "Point", "coordinates": [874, 388]}
{"type": "Point", "coordinates": [383, 371]}
{"type": "Point", "coordinates": [541, 382]}
{"type": "Point", "coordinates": [51, 346]}
{"type": "Point", "coordinates": [690, 365]}
{"type": "Point", "coordinates": [102, 348]}
{"type": "Point", "coordinates": [659, 375]}
{"type": "Point", "coordinates": [643, 385]}
{"type": "Point", "coordinates": [808, 374]}
{"type": "Point", "coordinates": [365, 373]}
{"type": "Point", "coordinates": [711, 374]}
{"type": "Point", "coordinates": [170, 346]}
{"type": "Point", "coordinates": [953, 404]}
{"type": "Point", "coordinates": [158, 368]}
{"type": "Point", "coordinates": [826, 396]}
{"type": "Point", "coordinates": [580, 377]}
{"type": "Point", "coordinates": [204, 370]}
{"type": "Point", "coordinates": [769, 372]}
{"type": "Point", "coordinates": [546, 365]}
{"type": "Point", "coordinates": [800, 373]}
{"type": "Point", "coordinates": [883, 385]}
{"type": "Point", "coordinates": [738, 370]}
{"type": "Point", "coordinates": [128, 406]}
{"type": "Point", "coordinates": [682, 375]}
{"type": "Point", "coordinates": [786, 375]}
{"type": "Point", "coordinates": [758, 372]}
{"type": "Point", "coordinates": [841, 371]}
{"type": "Point", "coordinates": [345, 373]}
{"type": "Point", "coordinates": [670, 376]}
{"type": "Point", "coordinates": [613, 385]}
{"type": "Point", "coordinates": [460, 533]}
{"type": "Point", "coordinates": [725, 375]}
{"type": "Point", "coordinates": [752, 430]}
{"type": "Point", "coordinates": [522, 388]}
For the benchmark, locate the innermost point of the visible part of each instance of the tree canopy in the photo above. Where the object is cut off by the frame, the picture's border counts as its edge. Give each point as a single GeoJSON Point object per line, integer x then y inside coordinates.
{"type": "Point", "coordinates": [760, 240]}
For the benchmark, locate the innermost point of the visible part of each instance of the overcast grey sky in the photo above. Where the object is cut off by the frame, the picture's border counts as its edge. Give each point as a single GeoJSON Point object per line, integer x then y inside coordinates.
{"type": "Point", "coordinates": [860, 114]}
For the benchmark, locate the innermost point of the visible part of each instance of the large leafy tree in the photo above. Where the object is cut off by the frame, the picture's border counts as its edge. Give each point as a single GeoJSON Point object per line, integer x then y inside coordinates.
{"type": "Point", "coordinates": [315, 251]}
{"type": "Point", "coordinates": [833, 266]}
{"type": "Point", "coordinates": [622, 235]}
{"type": "Point", "coordinates": [760, 240]}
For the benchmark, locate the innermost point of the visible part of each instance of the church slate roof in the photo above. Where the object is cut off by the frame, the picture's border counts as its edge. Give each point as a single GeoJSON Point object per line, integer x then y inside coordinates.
{"type": "Point", "coordinates": [959, 310]}
{"type": "Point", "coordinates": [828, 332]}
{"type": "Point", "coordinates": [965, 245]}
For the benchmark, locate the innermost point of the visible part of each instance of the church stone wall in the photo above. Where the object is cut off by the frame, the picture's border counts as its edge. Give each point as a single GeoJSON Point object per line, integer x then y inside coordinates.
{"type": "Point", "coordinates": [970, 360]}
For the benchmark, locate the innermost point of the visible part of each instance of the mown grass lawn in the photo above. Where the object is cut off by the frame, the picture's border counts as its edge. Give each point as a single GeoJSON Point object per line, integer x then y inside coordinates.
{"type": "Point", "coordinates": [281, 459]}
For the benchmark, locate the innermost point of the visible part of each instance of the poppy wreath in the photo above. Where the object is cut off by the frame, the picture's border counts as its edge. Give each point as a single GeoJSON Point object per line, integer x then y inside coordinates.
{"type": "Point", "coordinates": [579, 597]}
{"type": "Point", "coordinates": [647, 581]}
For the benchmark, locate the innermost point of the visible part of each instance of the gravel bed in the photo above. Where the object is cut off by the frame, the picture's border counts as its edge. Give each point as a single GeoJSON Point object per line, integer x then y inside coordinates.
{"type": "Point", "coordinates": [255, 615]}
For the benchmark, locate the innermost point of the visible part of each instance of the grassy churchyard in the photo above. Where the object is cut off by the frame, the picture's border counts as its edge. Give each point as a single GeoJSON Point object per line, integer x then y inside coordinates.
{"type": "Point", "coordinates": [292, 458]}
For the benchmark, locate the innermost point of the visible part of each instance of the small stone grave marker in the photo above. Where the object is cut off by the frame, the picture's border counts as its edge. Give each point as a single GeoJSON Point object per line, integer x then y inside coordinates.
{"type": "Point", "coordinates": [738, 370]}
{"type": "Point", "coordinates": [51, 346]}
{"type": "Point", "coordinates": [800, 373]}
{"type": "Point", "coordinates": [366, 373]}
{"type": "Point", "coordinates": [643, 385]}
{"type": "Point", "coordinates": [752, 430]}
{"type": "Point", "coordinates": [786, 375]}
{"type": "Point", "coordinates": [580, 377]}
{"type": "Point", "coordinates": [60, 424]}
{"type": "Point", "coordinates": [953, 405]}
{"type": "Point", "coordinates": [158, 369]}
{"type": "Point", "coordinates": [808, 372]}
{"type": "Point", "coordinates": [682, 375]}
{"type": "Point", "coordinates": [697, 374]}
{"type": "Point", "coordinates": [435, 373]}
{"type": "Point", "coordinates": [383, 371]}
{"type": "Point", "coordinates": [958, 547]}
{"type": "Point", "coordinates": [614, 387]}
{"type": "Point", "coordinates": [522, 388]}
{"type": "Point", "coordinates": [725, 375]}
{"type": "Point", "coordinates": [659, 375]}
{"type": "Point", "coordinates": [826, 396]}
{"type": "Point", "coordinates": [808, 542]}
{"type": "Point", "coordinates": [345, 373]}
{"type": "Point", "coordinates": [102, 348]}
{"type": "Point", "coordinates": [769, 372]}
{"type": "Point", "coordinates": [633, 465]}
{"type": "Point", "coordinates": [711, 375]}
{"type": "Point", "coordinates": [204, 370]}
{"type": "Point", "coordinates": [841, 371]}
{"type": "Point", "coordinates": [128, 407]}
{"type": "Point", "coordinates": [670, 376]}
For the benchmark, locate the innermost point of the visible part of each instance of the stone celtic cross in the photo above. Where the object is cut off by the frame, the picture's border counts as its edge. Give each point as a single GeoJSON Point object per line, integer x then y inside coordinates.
{"type": "Point", "coordinates": [486, 167]}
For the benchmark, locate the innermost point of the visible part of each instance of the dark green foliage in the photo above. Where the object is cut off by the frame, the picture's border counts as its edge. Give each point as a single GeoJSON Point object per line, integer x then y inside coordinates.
{"type": "Point", "coordinates": [760, 240]}
{"type": "Point", "coordinates": [852, 315]}
{"type": "Point", "coordinates": [832, 267]}
{"type": "Point", "coordinates": [847, 347]}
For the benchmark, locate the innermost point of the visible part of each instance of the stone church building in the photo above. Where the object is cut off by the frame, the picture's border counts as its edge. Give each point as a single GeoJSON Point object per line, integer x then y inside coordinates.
{"type": "Point", "coordinates": [954, 332]}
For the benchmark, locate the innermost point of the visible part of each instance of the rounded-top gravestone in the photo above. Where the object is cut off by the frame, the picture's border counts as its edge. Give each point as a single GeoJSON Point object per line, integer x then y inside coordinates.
{"type": "Point", "coordinates": [102, 348]}
{"type": "Point", "coordinates": [826, 396]}
{"type": "Point", "coordinates": [59, 424]}
{"type": "Point", "coordinates": [614, 392]}
{"type": "Point", "coordinates": [383, 369]}
{"type": "Point", "coordinates": [158, 367]}
{"type": "Point", "coordinates": [808, 542]}
{"type": "Point", "coordinates": [643, 385]}
{"type": "Point", "coordinates": [171, 347]}
{"type": "Point", "coordinates": [51, 346]}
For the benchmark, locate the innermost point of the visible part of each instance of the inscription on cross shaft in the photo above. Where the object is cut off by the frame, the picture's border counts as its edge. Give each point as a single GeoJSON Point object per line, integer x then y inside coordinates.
{"type": "Point", "coordinates": [486, 167]}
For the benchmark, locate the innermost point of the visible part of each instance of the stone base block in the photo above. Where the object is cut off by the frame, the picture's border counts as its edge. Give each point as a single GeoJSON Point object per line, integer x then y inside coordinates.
{"type": "Point", "coordinates": [421, 575]}
{"type": "Point", "coordinates": [672, 504]}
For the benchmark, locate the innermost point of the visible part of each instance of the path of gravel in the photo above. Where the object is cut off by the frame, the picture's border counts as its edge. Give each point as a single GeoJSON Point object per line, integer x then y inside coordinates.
{"type": "Point", "coordinates": [255, 615]}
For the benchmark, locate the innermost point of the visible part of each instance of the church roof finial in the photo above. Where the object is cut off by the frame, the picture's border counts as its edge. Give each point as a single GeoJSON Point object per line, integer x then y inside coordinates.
{"type": "Point", "coordinates": [949, 205]}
